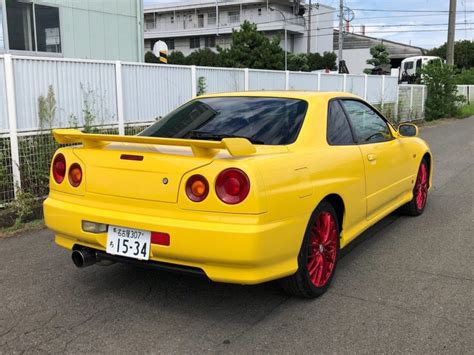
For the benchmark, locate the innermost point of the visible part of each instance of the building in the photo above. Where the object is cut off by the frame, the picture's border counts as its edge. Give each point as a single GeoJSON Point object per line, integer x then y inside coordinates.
{"type": "Point", "coordinates": [96, 29]}
{"type": "Point", "coordinates": [356, 50]}
{"type": "Point", "coordinates": [194, 24]}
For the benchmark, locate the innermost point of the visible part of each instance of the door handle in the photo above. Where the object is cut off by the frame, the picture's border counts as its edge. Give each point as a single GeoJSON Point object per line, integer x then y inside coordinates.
{"type": "Point", "coordinates": [371, 157]}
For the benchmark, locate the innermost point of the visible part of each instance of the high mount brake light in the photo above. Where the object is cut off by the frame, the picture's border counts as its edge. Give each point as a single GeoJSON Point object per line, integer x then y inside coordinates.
{"type": "Point", "coordinates": [197, 188]}
{"type": "Point", "coordinates": [75, 175]}
{"type": "Point", "coordinates": [232, 186]}
{"type": "Point", "coordinates": [59, 168]}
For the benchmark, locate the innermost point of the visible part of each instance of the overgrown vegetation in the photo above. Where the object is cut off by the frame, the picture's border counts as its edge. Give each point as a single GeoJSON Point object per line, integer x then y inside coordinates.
{"type": "Point", "coordinates": [250, 48]}
{"type": "Point", "coordinates": [466, 111]}
{"type": "Point", "coordinates": [47, 109]}
{"type": "Point", "coordinates": [443, 100]}
{"type": "Point", "coordinates": [201, 86]}
{"type": "Point", "coordinates": [465, 77]}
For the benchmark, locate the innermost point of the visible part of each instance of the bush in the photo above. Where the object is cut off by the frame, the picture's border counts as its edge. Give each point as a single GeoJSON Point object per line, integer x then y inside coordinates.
{"type": "Point", "coordinates": [466, 77]}
{"type": "Point", "coordinates": [442, 100]}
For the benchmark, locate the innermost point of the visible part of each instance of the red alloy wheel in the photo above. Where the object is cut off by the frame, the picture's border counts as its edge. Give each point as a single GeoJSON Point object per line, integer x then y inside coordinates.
{"type": "Point", "coordinates": [322, 249]}
{"type": "Point", "coordinates": [421, 186]}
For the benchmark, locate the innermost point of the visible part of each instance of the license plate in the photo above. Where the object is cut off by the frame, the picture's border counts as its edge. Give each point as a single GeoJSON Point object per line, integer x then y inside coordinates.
{"type": "Point", "coordinates": [132, 243]}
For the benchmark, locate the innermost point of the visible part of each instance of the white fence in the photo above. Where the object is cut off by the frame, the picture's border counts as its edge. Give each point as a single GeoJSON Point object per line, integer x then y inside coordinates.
{"type": "Point", "coordinates": [121, 96]}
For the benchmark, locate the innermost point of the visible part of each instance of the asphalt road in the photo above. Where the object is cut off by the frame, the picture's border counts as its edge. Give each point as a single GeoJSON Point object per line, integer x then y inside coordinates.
{"type": "Point", "coordinates": [406, 287]}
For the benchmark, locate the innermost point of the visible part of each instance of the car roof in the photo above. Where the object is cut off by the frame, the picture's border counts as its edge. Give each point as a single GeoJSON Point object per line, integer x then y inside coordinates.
{"type": "Point", "coordinates": [283, 94]}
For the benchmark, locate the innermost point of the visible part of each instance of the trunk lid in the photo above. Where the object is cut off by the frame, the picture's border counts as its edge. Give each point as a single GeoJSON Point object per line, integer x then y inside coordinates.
{"type": "Point", "coordinates": [154, 175]}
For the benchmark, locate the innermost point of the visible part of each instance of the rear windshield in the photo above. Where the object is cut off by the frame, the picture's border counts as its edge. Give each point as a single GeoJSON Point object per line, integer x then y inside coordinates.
{"type": "Point", "coordinates": [262, 120]}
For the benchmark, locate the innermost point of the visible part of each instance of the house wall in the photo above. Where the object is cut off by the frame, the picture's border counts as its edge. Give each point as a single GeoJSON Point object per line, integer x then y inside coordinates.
{"type": "Point", "coordinates": [99, 29]}
{"type": "Point", "coordinates": [356, 59]}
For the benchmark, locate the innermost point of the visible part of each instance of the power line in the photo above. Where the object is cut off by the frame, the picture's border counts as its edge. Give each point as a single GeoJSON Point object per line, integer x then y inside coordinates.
{"type": "Point", "coordinates": [408, 11]}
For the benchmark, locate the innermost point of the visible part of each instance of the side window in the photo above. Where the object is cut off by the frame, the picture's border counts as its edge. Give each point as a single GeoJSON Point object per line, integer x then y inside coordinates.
{"type": "Point", "coordinates": [338, 129]}
{"type": "Point", "coordinates": [369, 127]}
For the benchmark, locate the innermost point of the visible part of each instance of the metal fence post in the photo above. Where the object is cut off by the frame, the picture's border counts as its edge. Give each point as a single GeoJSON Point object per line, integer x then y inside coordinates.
{"type": "Point", "coordinates": [397, 104]}
{"type": "Point", "coordinates": [344, 82]}
{"type": "Point", "coordinates": [366, 80]}
{"type": "Point", "coordinates": [382, 94]}
{"type": "Point", "coordinates": [246, 79]}
{"type": "Point", "coordinates": [423, 100]}
{"type": "Point", "coordinates": [12, 122]}
{"type": "Point", "coordinates": [119, 93]}
{"type": "Point", "coordinates": [287, 80]}
{"type": "Point", "coordinates": [411, 100]}
{"type": "Point", "coordinates": [193, 81]}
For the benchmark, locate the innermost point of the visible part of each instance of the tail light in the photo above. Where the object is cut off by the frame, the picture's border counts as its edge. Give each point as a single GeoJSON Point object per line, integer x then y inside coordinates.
{"type": "Point", "coordinates": [75, 175]}
{"type": "Point", "coordinates": [232, 186]}
{"type": "Point", "coordinates": [197, 188]}
{"type": "Point", "coordinates": [59, 168]}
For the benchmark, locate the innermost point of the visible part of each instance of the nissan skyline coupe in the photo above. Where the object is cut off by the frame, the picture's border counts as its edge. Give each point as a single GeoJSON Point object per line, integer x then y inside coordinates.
{"type": "Point", "coordinates": [243, 187]}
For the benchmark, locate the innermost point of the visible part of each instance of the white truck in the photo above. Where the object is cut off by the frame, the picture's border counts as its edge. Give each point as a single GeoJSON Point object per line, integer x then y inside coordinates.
{"type": "Point", "coordinates": [410, 68]}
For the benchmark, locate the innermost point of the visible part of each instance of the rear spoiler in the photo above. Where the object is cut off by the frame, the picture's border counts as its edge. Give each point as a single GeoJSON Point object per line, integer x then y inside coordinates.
{"type": "Point", "coordinates": [235, 146]}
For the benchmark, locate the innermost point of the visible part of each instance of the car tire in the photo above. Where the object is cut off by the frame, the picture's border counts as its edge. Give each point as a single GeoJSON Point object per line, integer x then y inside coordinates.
{"type": "Point", "coordinates": [420, 192]}
{"type": "Point", "coordinates": [318, 255]}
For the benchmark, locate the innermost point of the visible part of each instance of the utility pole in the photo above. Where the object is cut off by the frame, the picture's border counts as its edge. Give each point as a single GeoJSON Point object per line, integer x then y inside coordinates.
{"type": "Point", "coordinates": [308, 47]}
{"type": "Point", "coordinates": [451, 32]}
{"type": "Point", "coordinates": [341, 26]}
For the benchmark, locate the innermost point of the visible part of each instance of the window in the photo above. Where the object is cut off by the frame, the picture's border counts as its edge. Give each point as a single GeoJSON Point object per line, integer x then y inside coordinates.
{"type": "Point", "coordinates": [169, 43]}
{"type": "Point", "coordinates": [201, 20]}
{"type": "Point", "coordinates": [47, 29]}
{"type": "Point", "coordinates": [368, 126]}
{"type": "Point", "coordinates": [408, 65]}
{"type": "Point", "coordinates": [21, 27]}
{"type": "Point", "coordinates": [263, 120]}
{"type": "Point", "coordinates": [149, 21]}
{"type": "Point", "coordinates": [234, 16]}
{"type": "Point", "coordinates": [209, 42]}
{"type": "Point", "coordinates": [194, 42]}
{"type": "Point", "coordinates": [338, 129]}
{"type": "Point", "coordinates": [211, 18]}
{"type": "Point", "coordinates": [419, 63]}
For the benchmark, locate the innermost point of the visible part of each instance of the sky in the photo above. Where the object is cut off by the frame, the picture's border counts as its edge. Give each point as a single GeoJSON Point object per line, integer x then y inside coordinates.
{"type": "Point", "coordinates": [426, 19]}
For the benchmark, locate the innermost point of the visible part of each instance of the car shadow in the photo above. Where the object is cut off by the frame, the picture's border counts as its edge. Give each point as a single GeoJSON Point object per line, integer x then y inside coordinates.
{"type": "Point", "coordinates": [149, 289]}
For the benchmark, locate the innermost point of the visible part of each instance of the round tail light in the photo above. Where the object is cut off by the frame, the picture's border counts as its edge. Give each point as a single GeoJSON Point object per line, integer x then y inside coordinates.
{"type": "Point", "coordinates": [197, 188]}
{"type": "Point", "coordinates": [59, 168]}
{"type": "Point", "coordinates": [75, 175]}
{"type": "Point", "coordinates": [232, 186]}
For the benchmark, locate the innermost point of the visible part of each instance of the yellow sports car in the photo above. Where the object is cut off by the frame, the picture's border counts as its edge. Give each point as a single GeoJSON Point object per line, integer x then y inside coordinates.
{"type": "Point", "coordinates": [242, 188]}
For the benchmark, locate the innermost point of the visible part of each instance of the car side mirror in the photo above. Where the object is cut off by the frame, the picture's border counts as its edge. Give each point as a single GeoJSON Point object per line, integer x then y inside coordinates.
{"type": "Point", "coordinates": [408, 130]}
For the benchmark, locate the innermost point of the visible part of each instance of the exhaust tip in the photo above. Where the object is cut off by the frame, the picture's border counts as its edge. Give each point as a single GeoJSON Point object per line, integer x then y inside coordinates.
{"type": "Point", "coordinates": [83, 258]}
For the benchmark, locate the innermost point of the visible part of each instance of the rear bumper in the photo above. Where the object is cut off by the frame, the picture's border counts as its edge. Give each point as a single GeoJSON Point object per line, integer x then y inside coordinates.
{"type": "Point", "coordinates": [228, 248]}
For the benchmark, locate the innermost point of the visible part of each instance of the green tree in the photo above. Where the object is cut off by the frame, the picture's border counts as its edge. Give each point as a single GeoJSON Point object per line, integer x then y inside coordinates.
{"type": "Point", "coordinates": [252, 49]}
{"type": "Point", "coordinates": [463, 54]}
{"type": "Point", "coordinates": [151, 58]}
{"type": "Point", "coordinates": [203, 57]}
{"type": "Point", "coordinates": [177, 57]}
{"type": "Point", "coordinates": [298, 62]}
{"type": "Point", "coordinates": [317, 61]}
{"type": "Point", "coordinates": [442, 100]}
{"type": "Point", "coordinates": [380, 58]}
